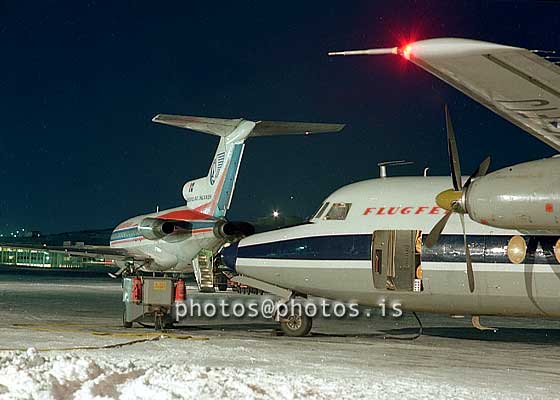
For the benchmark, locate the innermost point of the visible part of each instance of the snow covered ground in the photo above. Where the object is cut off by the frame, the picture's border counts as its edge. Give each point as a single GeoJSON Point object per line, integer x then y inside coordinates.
{"type": "Point", "coordinates": [342, 360]}
{"type": "Point", "coordinates": [29, 374]}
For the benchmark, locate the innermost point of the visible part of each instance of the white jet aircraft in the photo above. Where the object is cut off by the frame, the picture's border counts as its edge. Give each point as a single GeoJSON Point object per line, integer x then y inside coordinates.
{"type": "Point", "coordinates": [403, 240]}
{"type": "Point", "coordinates": [169, 240]}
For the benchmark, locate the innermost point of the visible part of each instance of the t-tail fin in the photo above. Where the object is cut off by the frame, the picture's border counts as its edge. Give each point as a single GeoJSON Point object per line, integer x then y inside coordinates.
{"type": "Point", "coordinates": [212, 194]}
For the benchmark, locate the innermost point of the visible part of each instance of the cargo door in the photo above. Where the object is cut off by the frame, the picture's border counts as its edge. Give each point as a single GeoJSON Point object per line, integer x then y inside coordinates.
{"type": "Point", "coordinates": [394, 259]}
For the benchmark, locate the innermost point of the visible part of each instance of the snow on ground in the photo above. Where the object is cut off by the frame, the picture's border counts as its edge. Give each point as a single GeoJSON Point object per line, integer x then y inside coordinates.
{"type": "Point", "coordinates": [30, 374]}
{"type": "Point", "coordinates": [343, 359]}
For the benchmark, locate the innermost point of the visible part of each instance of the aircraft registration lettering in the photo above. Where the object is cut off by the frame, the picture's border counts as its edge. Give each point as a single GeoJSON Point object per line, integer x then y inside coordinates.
{"type": "Point", "coordinates": [534, 109]}
{"type": "Point", "coordinates": [416, 210]}
{"type": "Point", "coordinates": [199, 197]}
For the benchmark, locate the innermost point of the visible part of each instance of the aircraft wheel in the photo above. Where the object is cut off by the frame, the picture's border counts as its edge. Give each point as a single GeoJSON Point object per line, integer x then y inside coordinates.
{"type": "Point", "coordinates": [296, 325]}
{"type": "Point", "coordinates": [222, 287]}
{"type": "Point", "coordinates": [125, 323]}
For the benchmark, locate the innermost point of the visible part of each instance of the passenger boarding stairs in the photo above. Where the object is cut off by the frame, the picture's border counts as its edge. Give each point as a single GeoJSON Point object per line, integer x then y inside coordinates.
{"type": "Point", "coordinates": [203, 267]}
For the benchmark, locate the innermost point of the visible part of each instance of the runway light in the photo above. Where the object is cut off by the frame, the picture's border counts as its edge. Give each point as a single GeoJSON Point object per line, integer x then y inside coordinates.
{"type": "Point", "coordinates": [275, 214]}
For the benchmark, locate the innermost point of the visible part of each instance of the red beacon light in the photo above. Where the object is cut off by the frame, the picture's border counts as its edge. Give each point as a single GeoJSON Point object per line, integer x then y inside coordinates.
{"type": "Point", "coordinates": [406, 51]}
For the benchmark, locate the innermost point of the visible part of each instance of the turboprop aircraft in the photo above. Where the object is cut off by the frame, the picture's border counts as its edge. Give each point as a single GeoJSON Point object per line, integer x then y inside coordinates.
{"type": "Point", "coordinates": [488, 246]}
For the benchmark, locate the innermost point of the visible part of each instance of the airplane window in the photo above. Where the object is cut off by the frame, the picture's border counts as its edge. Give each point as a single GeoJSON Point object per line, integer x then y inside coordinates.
{"type": "Point", "coordinates": [338, 211]}
{"type": "Point", "coordinates": [321, 210]}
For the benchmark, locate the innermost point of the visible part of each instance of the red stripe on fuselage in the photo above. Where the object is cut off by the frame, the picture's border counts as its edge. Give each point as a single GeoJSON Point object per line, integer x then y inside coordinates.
{"type": "Point", "coordinates": [186, 215]}
{"type": "Point", "coordinates": [140, 238]}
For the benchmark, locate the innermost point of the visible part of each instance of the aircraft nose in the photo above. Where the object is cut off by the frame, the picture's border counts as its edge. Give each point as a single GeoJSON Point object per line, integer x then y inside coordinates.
{"type": "Point", "coordinates": [229, 256]}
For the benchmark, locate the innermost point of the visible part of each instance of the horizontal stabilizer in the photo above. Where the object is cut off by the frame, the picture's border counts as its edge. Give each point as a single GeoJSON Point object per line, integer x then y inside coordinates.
{"type": "Point", "coordinates": [213, 126]}
{"type": "Point", "coordinates": [270, 128]}
{"type": "Point", "coordinates": [223, 127]}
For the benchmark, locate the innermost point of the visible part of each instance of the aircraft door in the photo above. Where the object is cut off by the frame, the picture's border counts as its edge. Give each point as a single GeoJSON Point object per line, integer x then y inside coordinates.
{"type": "Point", "coordinates": [394, 259]}
{"type": "Point", "coordinates": [380, 257]}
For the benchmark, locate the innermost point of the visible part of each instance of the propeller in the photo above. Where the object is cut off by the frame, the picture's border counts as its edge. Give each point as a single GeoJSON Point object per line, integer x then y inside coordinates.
{"type": "Point", "coordinates": [453, 200]}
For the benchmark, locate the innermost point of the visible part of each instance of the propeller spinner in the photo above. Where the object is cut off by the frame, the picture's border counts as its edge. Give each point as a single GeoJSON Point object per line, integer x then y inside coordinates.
{"type": "Point", "coordinates": [453, 200]}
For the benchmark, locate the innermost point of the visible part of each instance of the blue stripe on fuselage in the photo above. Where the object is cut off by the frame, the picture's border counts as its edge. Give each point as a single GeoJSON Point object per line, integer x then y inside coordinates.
{"type": "Point", "coordinates": [229, 181]}
{"type": "Point", "coordinates": [484, 249]}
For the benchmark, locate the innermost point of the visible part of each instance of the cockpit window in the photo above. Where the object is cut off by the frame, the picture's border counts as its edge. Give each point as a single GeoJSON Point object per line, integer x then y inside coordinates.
{"type": "Point", "coordinates": [321, 210]}
{"type": "Point", "coordinates": [338, 211]}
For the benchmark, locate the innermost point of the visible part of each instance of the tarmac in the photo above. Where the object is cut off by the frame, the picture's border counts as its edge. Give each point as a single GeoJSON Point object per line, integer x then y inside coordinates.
{"type": "Point", "coordinates": [60, 314]}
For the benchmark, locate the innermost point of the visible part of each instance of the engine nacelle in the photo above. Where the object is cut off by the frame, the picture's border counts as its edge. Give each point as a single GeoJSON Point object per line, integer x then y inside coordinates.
{"type": "Point", "coordinates": [156, 228]}
{"type": "Point", "coordinates": [231, 230]}
{"type": "Point", "coordinates": [524, 197]}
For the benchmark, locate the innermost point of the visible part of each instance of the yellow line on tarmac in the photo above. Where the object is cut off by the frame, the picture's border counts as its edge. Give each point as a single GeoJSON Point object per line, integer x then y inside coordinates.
{"type": "Point", "coordinates": [143, 336]}
{"type": "Point", "coordinates": [107, 346]}
{"type": "Point", "coordinates": [149, 334]}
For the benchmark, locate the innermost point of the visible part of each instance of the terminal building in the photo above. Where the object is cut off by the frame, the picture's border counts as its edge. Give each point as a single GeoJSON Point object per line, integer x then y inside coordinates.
{"type": "Point", "coordinates": [11, 255]}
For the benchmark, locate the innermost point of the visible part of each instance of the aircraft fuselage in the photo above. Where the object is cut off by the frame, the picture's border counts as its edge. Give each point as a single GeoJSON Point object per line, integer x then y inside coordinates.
{"type": "Point", "coordinates": [371, 256]}
{"type": "Point", "coordinates": [173, 252]}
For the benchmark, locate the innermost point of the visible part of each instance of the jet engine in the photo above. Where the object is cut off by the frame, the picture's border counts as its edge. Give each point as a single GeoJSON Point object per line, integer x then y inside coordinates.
{"type": "Point", "coordinates": [231, 230]}
{"type": "Point", "coordinates": [156, 228]}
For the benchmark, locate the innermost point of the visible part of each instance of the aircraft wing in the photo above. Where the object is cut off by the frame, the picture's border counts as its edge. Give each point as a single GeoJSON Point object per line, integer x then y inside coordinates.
{"type": "Point", "coordinates": [513, 82]}
{"type": "Point", "coordinates": [106, 252]}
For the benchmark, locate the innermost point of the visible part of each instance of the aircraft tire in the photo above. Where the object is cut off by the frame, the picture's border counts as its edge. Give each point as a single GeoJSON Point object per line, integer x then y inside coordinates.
{"type": "Point", "coordinates": [222, 287]}
{"type": "Point", "coordinates": [296, 325]}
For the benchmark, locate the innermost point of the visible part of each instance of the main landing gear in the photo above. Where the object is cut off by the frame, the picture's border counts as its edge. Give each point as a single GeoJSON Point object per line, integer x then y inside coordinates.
{"type": "Point", "coordinates": [296, 325]}
{"type": "Point", "coordinates": [293, 319]}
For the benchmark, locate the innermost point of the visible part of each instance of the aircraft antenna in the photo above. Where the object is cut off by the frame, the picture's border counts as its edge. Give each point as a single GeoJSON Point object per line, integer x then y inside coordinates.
{"type": "Point", "coordinates": [383, 166]}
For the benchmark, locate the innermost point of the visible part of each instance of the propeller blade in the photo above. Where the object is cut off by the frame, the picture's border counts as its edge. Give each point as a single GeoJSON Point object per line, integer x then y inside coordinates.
{"type": "Point", "coordinates": [433, 236]}
{"type": "Point", "coordinates": [470, 273]}
{"type": "Point", "coordinates": [480, 171]}
{"type": "Point", "coordinates": [453, 153]}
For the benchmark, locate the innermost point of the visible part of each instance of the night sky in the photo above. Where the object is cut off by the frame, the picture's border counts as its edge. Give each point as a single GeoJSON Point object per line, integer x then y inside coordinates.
{"type": "Point", "coordinates": [80, 82]}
